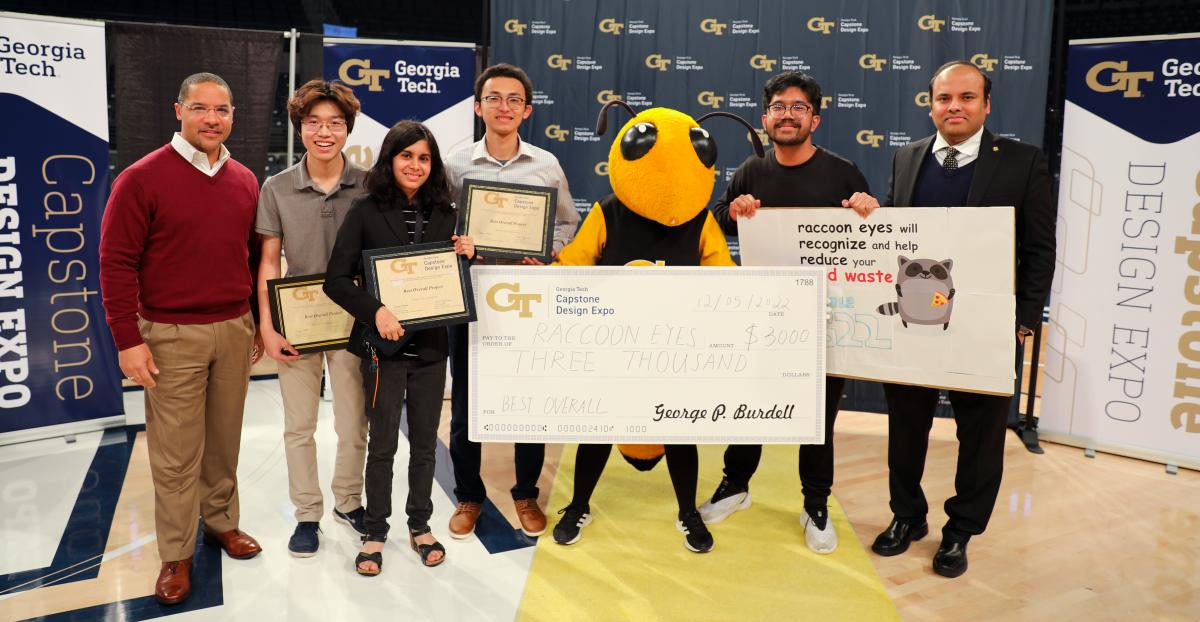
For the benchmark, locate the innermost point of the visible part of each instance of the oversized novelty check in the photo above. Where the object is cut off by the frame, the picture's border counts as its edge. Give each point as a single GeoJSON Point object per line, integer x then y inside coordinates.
{"type": "Point", "coordinates": [648, 355]}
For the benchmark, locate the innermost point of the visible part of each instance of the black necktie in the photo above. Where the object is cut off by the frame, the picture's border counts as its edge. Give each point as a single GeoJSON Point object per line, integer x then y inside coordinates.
{"type": "Point", "coordinates": [951, 161]}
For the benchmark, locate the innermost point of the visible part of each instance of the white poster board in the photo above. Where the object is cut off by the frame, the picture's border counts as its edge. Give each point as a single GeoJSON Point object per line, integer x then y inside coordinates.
{"type": "Point", "coordinates": [919, 295]}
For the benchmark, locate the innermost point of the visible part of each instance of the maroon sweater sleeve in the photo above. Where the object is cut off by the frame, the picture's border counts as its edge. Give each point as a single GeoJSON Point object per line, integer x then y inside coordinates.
{"type": "Point", "coordinates": [123, 232]}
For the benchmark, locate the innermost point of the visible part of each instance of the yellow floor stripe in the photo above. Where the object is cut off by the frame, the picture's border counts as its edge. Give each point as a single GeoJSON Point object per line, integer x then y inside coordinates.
{"type": "Point", "coordinates": [631, 563]}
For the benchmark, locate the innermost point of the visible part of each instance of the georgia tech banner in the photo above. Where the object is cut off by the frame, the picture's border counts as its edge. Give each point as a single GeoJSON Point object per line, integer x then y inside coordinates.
{"type": "Point", "coordinates": [432, 83]}
{"type": "Point", "coordinates": [1122, 365]}
{"type": "Point", "coordinates": [873, 59]}
{"type": "Point", "coordinates": [57, 359]}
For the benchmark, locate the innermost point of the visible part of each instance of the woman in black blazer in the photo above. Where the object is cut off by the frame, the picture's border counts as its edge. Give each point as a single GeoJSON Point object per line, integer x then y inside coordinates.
{"type": "Point", "coordinates": [407, 202]}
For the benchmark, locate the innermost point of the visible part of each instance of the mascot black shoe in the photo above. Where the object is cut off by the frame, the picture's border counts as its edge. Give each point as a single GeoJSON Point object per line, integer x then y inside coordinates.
{"type": "Point", "coordinates": [661, 170]}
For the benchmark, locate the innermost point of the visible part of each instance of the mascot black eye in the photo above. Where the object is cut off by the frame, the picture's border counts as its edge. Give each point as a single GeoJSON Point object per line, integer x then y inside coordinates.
{"type": "Point", "coordinates": [638, 140]}
{"type": "Point", "coordinates": [913, 269]}
{"type": "Point", "coordinates": [705, 146]}
{"type": "Point", "coordinates": [939, 272]}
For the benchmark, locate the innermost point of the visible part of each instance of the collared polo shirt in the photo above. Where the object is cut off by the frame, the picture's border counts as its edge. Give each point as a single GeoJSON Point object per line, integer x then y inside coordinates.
{"type": "Point", "coordinates": [291, 206]}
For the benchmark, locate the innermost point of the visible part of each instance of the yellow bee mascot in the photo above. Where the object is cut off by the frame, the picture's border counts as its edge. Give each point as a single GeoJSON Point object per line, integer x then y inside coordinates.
{"type": "Point", "coordinates": [661, 170]}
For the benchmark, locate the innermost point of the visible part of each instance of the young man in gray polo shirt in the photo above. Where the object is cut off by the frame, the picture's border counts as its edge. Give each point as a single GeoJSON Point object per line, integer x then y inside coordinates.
{"type": "Point", "coordinates": [502, 99]}
{"type": "Point", "coordinates": [299, 211]}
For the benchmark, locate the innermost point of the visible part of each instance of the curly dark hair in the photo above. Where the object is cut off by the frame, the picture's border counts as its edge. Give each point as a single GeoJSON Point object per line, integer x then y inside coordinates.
{"type": "Point", "coordinates": [381, 182]}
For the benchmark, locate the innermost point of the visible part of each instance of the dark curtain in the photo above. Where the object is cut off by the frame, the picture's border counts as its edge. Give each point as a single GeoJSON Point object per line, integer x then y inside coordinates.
{"type": "Point", "coordinates": [152, 60]}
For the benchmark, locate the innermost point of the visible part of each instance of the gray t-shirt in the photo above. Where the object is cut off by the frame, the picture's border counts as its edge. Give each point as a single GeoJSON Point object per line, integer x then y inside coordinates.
{"type": "Point", "coordinates": [292, 207]}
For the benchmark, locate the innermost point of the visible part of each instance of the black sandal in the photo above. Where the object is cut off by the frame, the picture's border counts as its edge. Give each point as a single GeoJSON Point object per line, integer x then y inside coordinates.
{"type": "Point", "coordinates": [425, 550]}
{"type": "Point", "coordinates": [376, 558]}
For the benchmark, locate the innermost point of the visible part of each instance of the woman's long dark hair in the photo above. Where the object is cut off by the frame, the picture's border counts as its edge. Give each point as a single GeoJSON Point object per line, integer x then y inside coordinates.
{"type": "Point", "coordinates": [381, 182]}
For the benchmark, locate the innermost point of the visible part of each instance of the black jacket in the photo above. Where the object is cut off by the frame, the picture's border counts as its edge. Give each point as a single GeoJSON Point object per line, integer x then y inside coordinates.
{"type": "Point", "coordinates": [1007, 172]}
{"type": "Point", "coordinates": [369, 225]}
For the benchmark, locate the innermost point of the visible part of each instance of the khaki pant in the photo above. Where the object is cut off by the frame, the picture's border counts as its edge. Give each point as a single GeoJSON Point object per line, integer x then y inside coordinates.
{"type": "Point", "coordinates": [300, 384]}
{"type": "Point", "coordinates": [194, 426]}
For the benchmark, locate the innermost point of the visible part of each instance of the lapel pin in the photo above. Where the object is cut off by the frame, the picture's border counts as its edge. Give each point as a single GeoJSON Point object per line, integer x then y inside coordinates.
{"type": "Point", "coordinates": [995, 149]}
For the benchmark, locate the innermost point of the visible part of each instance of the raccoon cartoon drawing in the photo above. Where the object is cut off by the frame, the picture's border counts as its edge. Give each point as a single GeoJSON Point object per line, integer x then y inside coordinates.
{"type": "Point", "coordinates": [924, 292]}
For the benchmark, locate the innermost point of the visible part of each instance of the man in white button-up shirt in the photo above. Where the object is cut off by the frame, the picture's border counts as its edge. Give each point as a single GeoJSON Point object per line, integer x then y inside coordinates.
{"type": "Point", "coordinates": [502, 99]}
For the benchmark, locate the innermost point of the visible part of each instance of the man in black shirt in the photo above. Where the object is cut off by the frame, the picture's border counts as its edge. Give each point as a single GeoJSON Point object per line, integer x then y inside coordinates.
{"type": "Point", "coordinates": [794, 173]}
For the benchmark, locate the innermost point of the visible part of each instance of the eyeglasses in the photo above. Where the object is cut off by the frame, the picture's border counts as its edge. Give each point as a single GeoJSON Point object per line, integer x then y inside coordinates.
{"type": "Point", "coordinates": [800, 109]}
{"type": "Point", "coordinates": [336, 126]}
{"type": "Point", "coordinates": [493, 101]}
{"type": "Point", "coordinates": [201, 111]}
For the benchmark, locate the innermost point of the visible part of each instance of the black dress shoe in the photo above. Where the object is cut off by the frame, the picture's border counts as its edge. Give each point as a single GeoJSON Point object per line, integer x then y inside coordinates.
{"type": "Point", "coordinates": [950, 559]}
{"type": "Point", "coordinates": [895, 539]}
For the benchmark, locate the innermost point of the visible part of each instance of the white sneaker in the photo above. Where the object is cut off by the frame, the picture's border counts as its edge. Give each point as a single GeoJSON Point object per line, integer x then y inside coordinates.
{"type": "Point", "coordinates": [725, 501]}
{"type": "Point", "coordinates": [823, 541]}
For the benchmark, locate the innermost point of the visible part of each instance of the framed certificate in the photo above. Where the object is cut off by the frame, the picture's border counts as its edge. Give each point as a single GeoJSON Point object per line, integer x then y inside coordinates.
{"type": "Point", "coordinates": [424, 285]}
{"type": "Point", "coordinates": [509, 221]}
{"type": "Point", "coordinates": [301, 312]}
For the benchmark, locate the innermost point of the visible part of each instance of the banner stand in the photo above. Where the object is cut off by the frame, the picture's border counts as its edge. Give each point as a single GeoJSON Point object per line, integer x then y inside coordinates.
{"type": "Point", "coordinates": [1122, 361]}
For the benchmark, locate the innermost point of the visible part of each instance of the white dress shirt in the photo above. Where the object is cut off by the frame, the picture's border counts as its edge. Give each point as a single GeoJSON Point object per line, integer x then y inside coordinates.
{"type": "Point", "coordinates": [968, 149]}
{"type": "Point", "coordinates": [198, 158]}
{"type": "Point", "coordinates": [531, 165]}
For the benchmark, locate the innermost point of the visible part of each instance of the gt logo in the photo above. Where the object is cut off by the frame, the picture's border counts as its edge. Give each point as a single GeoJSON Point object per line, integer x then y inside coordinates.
{"type": "Point", "coordinates": [556, 61]}
{"type": "Point", "coordinates": [712, 26]}
{"type": "Point", "coordinates": [646, 262]}
{"type": "Point", "coordinates": [825, 101]}
{"type": "Point", "coordinates": [516, 300]}
{"type": "Point", "coordinates": [402, 266]}
{"type": "Point", "coordinates": [929, 22]}
{"type": "Point", "coordinates": [710, 99]}
{"type": "Point", "coordinates": [497, 199]}
{"type": "Point", "coordinates": [304, 293]}
{"type": "Point", "coordinates": [821, 25]}
{"type": "Point", "coordinates": [1121, 78]}
{"type": "Point", "coordinates": [760, 61]}
{"type": "Point", "coordinates": [606, 96]}
{"type": "Point", "coordinates": [982, 61]}
{"type": "Point", "coordinates": [515, 27]}
{"type": "Point", "coordinates": [871, 61]}
{"type": "Point", "coordinates": [554, 132]}
{"type": "Point", "coordinates": [922, 99]}
{"type": "Point", "coordinates": [656, 61]}
{"type": "Point", "coordinates": [762, 137]}
{"type": "Point", "coordinates": [601, 169]}
{"type": "Point", "coordinates": [363, 75]}
{"type": "Point", "coordinates": [361, 155]}
{"type": "Point", "coordinates": [611, 26]}
{"type": "Point", "coordinates": [868, 137]}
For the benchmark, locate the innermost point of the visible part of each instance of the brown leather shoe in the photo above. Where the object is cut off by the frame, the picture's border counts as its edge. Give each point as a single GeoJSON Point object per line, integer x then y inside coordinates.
{"type": "Point", "coordinates": [237, 545]}
{"type": "Point", "coordinates": [462, 522]}
{"type": "Point", "coordinates": [174, 583]}
{"type": "Point", "coordinates": [533, 521]}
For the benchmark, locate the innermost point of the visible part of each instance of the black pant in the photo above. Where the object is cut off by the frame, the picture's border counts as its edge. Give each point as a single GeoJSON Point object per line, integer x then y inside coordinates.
{"type": "Point", "coordinates": [683, 463]}
{"type": "Point", "coordinates": [981, 421]}
{"type": "Point", "coordinates": [464, 453]}
{"type": "Point", "coordinates": [419, 385]}
{"type": "Point", "coordinates": [816, 461]}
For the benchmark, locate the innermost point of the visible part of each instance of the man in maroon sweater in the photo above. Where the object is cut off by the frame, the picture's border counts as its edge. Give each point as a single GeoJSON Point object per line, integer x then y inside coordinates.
{"type": "Point", "coordinates": [176, 282]}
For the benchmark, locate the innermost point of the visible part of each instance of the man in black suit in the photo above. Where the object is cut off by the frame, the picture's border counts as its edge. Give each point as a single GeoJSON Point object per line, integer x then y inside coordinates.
{"type": "Point", "coordinates": [964, 164]}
